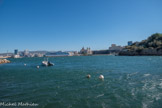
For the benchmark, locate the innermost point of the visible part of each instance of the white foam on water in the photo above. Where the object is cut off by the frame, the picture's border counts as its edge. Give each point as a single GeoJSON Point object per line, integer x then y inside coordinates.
{"type": "Point", "coordinates": [103, 105]}
{"type": "Point", "coordinates": [144, 105]}
{"type": "Point", "coordinates": [99, 95]}
{"type": "Point", "coordinates": [133, 92]}
{"type": "Point", "coordinates": [131, 74]}
{"type": "Point", "coordinates": [160, 85]}
{"type": "Point", "coordinates": [153, 86]}
{"type": "Point", "coordinates": [132, 83]}
{"type": "Point", "coordinates": [144, 87]}
{"type": "Point", "coordinates": [146, 75]}
{"type": "Point", "coordinates": [151, 92]}
{"type": "Point", "coordinates": [128, 76]}
{"type": "Point", "coordinates": [158, 96]}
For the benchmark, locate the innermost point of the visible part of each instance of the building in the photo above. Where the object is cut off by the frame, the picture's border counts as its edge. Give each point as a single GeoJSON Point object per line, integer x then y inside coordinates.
{"type": "Point", "coordinates": [115, 47]}
{"type": "Point", "coordinates": [76, 53]}
{"type": "Point", "coordinates": [82, 50]}
{"type": "Point", "coordinates": [99, 52]}
{"type": "Point", "coordinates": [71, 53]}
{"type": "Point", "coordinates": [57, 54]}
{"type": "Point", "coordinates": [36, 55]}
{"type": "Point", "coordinates": [26, 53]}
{"type": "Point", "coordinates": [106, 52]}
{"type": "Point", "coordinates": [16, 52]}
{"type": "Point", "coordinates": [86, 51]}
{"type": "Point", "coordinates": [16, 56]}
{"type": "Point", "coordinates": [130, 43]}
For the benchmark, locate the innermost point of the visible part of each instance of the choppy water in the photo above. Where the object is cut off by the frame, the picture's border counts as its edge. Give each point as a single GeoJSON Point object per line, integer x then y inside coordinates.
{"type": "Point", "coordinates": [130, 82]}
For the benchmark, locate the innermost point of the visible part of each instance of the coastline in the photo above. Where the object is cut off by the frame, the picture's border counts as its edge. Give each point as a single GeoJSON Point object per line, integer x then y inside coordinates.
{"type": "Point", "coordinates": [152, 46]}
{"type": "Point", "coordinates": [144, 52]}
{"type": "Point", "coordinates": [2, 61]}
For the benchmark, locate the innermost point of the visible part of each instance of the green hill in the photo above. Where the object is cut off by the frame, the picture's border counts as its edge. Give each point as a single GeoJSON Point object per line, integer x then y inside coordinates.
{"type": "Point", "coordinates": [151, 46]}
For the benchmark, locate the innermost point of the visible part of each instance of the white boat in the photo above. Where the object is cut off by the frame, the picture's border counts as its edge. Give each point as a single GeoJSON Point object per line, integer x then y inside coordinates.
{"type": "Point", "coordinates": [47, 63]}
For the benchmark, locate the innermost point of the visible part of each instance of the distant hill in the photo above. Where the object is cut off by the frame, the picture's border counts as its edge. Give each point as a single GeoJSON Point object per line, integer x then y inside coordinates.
{"type": "Point", "coordinates": [151, 46]}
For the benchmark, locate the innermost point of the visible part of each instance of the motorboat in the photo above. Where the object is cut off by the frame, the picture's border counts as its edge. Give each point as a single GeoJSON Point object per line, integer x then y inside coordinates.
{"type": "Point", "coordinates": [47, 63]}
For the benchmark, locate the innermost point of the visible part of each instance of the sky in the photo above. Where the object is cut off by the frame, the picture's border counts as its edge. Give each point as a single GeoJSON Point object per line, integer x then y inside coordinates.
{"type": "Point", "coordinates": [71, 24]}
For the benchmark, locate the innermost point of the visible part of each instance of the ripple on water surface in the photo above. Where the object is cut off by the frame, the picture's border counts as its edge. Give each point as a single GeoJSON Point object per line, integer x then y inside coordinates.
{"type": "Point", "coordinates": [129, 82]}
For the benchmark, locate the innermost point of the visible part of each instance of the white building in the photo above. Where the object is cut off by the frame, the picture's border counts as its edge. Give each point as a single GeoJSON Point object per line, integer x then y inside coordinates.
{"type": "Point", "coordinates": [26, 52]}
{"type": "Point", "coordinates": [56, 54]}
{"type": "Point", "coordinates": [114, 47]}
{"type": "Point", "coordinates": [86, 51]}
{"type": "Point", "coordinates": [16, 56]}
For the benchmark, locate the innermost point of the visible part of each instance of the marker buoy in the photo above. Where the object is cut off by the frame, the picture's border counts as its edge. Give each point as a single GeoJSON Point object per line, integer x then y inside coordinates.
{"type": "Point", "coordinates": [88, 76]}
{"type": "Point", "coordinates": [101, 77]}
{"type": "Point", "coordinates": [37, 67]}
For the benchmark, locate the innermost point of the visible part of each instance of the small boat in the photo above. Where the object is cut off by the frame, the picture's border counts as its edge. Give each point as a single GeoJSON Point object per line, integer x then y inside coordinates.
{"type": "Point", "coordinates": [50, 63]}
{"type": "Point", "coordinates": [47, 63]}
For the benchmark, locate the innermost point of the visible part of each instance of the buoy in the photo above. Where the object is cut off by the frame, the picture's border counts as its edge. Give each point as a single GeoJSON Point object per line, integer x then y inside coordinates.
{"type": "Point", "coordinates": [88, 76]}
{"type": "Point", "coordinates": [37, 67]}
{"type": "Point", "coordinates": [24, 64]}
{"type": "Point", "coordinates": [101, 77]}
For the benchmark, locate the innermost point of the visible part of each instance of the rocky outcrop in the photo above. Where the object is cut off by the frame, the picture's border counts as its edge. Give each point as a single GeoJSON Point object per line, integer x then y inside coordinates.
{"type": "Point", "coordinates": [143, 52]}
{"type": "Point", "coordinates": [4, 61]}
{"type": "Point", "coordinates": [151, 46]}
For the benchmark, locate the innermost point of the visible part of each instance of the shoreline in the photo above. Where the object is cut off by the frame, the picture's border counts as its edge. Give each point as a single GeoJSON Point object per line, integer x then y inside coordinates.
{"type": "Point", "coordinates": [3, 61]}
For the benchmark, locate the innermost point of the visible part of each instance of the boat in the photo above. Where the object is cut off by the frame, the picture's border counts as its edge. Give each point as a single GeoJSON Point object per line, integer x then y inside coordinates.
{"type": "Point", "coordinates": [47, 63]}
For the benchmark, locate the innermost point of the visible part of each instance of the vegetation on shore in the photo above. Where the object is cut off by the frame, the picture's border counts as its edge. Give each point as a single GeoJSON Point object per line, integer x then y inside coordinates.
{"type": "Point", "coordinates": [151, 46]}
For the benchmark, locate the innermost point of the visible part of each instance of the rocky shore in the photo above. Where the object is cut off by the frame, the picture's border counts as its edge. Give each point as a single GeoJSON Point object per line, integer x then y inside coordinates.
{"type": "Point", "coordinates": [143, 52]}
{"type": "Point", "coordinates": [4, 61]}
{"type": "Point", "coordinates": [152, 46]}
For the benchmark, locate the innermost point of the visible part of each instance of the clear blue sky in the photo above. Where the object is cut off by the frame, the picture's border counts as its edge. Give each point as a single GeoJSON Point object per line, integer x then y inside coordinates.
{"type": "Point", "coordinates": [72, 24]}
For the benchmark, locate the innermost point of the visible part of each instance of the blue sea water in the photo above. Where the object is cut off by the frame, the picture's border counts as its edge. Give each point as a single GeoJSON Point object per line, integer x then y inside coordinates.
{"type": "Point", "coordinates": [130, 82]}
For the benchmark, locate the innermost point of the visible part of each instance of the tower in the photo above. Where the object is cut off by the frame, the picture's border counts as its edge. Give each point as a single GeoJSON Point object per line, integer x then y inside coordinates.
{"type": "Point", "coordinates": [16, 51]}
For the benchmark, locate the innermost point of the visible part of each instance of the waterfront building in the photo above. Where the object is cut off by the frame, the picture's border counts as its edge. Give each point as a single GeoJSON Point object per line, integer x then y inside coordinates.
{"type": "Point", "coordinates": [101, 52]}
{"type": "Point", "coordinates": [115, 47]}
{"type": "Point", "coordinates": [76, 53]}
{"type": "Point", "coordinates": [5, 55]}
{"type": "Point", "coordinates": [16, 54]}
{"type": "Point", "coordinates": [26, 53]}
{"type": "Point", "coordinates": [55, 54]}
{"type": "Point", "coordinates": [16, 51]}
{"type": "Point", "coordinates": [130, 43]}
{"type": "Point", "coordinates": [31, 55]}
{"type": "Point", "coordinates": [71, 53]}
{"type": "Point", "coordinates": [86, 51]}
{"type": "Point", "coordinates": [38, 55]}
{"type": "Point", "coordinates": [82, 50]}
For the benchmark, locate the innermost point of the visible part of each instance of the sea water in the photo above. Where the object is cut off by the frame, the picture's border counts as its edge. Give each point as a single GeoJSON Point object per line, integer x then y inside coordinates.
{"type": "Point", "coordinates": [129, 82]}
